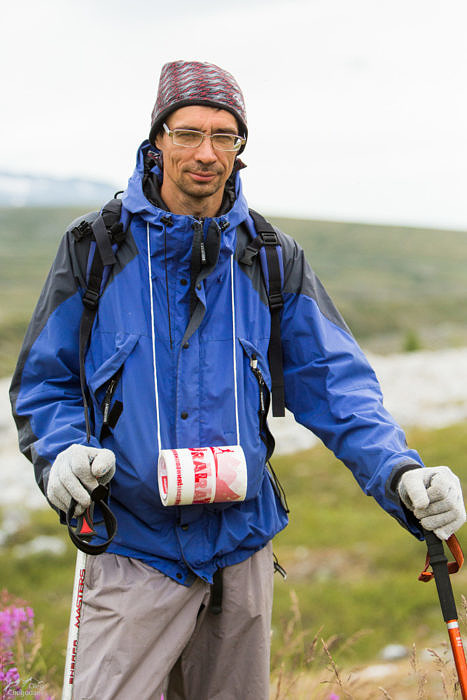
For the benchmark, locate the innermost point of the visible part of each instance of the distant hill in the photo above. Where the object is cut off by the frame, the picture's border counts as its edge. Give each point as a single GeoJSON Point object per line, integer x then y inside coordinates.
{"type": "Point", "coordinates": [23, 190]}
{"type": "Point", "coordinates": [397, 287]}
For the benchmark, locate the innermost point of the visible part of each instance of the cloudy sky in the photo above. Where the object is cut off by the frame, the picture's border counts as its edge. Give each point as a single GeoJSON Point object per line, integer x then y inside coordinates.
{"type": "Point", "coordinates": [357, 109]}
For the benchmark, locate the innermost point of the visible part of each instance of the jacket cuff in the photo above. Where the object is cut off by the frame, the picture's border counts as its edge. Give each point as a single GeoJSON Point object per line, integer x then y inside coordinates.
{"type": "Point", "coordinates": [396, 474]}
{"type": "Point", "coordinates": [393, 494]}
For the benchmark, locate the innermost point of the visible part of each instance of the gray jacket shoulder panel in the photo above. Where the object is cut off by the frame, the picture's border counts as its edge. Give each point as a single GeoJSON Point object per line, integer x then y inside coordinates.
{"type": "Point", "coordinates": [66, 276]}
{"type": "Point", "coordinates": [299, 278]}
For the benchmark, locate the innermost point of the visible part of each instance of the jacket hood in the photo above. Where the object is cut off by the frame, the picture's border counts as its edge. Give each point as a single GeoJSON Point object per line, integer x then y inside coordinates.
{"type": "Point", "coordinates": [149, 163]}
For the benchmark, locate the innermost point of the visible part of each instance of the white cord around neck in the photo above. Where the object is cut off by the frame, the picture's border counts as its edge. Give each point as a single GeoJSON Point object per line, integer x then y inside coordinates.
{"type": "Point", "coordinates": [234, 346]}
{"type": "Point", "coordinates": [153, 336]}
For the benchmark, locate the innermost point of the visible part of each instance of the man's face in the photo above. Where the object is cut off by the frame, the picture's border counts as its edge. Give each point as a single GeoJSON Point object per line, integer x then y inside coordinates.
{"type": "Point", "coordinates": [196, 174]}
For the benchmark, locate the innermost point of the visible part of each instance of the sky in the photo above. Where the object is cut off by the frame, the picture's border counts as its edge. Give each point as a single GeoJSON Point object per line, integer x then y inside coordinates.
{"type": "Point", "coordinates": [357, 109]}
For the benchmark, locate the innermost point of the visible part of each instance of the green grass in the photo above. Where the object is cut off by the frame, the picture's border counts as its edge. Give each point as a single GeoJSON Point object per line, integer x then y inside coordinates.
{"type": "Point", "coordinates": [353, 567]}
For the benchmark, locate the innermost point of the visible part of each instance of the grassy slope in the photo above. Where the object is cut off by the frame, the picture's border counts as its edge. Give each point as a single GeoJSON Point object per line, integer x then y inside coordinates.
{"type": "Point", "coordinates": [352, 566]}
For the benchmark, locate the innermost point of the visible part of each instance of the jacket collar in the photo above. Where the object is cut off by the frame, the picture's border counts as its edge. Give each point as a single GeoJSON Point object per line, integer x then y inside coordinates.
{"type": "Point", "coordinates": [142, 196]}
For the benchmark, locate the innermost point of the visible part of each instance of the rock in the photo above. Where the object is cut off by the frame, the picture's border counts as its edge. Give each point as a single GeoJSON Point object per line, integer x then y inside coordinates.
{"type": "Point", "coordinates": [40, 545]}
{"type": "Point", "coordinates": [394, 652]}
{"type": "Point", "coordinates": [371, 673]}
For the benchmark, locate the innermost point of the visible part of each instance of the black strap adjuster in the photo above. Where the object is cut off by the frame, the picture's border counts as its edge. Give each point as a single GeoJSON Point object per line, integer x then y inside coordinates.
{"type": "Point", "coordinates": [276, 300]}
{"type": "Point", "coordinates": [91, 299]}
{"type": "Point", "coordinates": [269, 237]}
{"type": "Point", "coordinates": [83, 230]}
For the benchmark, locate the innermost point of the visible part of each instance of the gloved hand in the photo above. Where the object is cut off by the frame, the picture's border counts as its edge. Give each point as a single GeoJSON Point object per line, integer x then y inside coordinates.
{"type": "Point", "coordinates": [76, 472]}
{"type": "Point", "coordinates": [434, 495]}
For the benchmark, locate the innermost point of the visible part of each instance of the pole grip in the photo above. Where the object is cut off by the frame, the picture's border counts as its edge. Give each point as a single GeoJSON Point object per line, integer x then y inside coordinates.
{"type": "Point", "coordinates": [439, 564]}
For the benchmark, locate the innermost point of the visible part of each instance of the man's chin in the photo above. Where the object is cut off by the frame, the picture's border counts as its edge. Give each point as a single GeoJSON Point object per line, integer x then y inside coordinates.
{"type": "Point", "coordinates": [200, 190]}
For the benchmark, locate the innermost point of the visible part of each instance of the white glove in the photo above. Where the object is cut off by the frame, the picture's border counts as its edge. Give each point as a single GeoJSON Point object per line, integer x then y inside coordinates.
{"type": "Point", "coordinates": [434, 495]}
{"type": "Point", "coordinates": [76, 472]}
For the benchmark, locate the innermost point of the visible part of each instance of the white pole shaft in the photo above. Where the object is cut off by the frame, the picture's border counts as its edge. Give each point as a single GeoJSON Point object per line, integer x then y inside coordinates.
{"type": "Point", "coordinates": [75, 621]}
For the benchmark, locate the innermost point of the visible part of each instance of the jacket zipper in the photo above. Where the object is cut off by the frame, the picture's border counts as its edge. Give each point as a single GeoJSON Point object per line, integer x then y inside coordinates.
{"type": "Point", "coordinates": [277, 486]}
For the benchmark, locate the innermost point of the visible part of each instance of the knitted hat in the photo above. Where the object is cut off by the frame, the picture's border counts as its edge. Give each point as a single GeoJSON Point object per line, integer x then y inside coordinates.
{"type": "Point", "coordinates": [185, 83]}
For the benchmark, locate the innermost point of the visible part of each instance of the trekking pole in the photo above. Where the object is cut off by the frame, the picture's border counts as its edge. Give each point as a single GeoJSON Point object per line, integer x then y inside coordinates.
{"type": "Point", "coordinates": [81, 536]}
{"type": "Point", "coordinates": [441, 571]}
{"type": "Point", "coordinates": [73, 629]}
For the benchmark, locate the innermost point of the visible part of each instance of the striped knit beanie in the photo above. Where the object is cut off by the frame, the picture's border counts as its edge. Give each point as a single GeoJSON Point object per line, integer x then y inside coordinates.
{"type": "Point", "coordinates": [185, 83]}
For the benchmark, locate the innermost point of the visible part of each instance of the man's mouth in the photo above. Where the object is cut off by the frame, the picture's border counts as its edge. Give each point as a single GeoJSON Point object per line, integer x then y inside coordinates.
{"type": "Point", "coordinates": [202, 176]}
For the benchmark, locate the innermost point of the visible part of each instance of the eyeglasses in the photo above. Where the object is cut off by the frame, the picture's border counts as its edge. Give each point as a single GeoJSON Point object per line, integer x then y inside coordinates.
{"type": "Point", "coordinates": [188, 138]}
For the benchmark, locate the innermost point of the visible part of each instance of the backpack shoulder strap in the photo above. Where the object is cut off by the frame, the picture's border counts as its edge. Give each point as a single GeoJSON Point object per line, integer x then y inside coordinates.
{"type": "Point", "coordinates": [105, 231]}
{"type": "Point", "coordinates": [267, 244]}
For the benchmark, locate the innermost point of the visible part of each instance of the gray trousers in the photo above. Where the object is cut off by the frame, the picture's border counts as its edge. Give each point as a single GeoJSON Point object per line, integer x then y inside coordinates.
{"type": "Point", "coordinates": [142, 634]}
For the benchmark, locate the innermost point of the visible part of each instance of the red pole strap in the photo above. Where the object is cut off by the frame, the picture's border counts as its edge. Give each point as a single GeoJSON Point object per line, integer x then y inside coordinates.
{"type": "Point", "coordinates": [453, 566]}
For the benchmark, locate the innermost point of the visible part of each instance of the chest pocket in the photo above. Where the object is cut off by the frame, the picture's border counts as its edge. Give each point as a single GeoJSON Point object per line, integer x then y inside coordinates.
{"type": "Point", "coordinates": [104, 381]}
{"type": "Point", "coordinates": [257, 374]}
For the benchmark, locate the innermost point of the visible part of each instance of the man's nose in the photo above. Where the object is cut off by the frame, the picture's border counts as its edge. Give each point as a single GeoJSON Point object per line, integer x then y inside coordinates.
{"type": "Point", "coordinates": [205, 151]}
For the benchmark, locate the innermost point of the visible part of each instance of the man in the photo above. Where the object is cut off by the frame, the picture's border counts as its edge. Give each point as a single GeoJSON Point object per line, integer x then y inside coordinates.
{"type": "Point", "coordinates": [179, 351]}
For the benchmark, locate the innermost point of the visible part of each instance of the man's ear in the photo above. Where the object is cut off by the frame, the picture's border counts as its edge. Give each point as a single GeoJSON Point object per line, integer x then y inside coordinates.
{"type": "Point", "coordinates": [158, 139]}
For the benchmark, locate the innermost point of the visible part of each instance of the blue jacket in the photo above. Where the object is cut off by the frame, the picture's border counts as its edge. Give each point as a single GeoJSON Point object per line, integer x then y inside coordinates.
{"type": "Point", "coordinates": [329, 386]}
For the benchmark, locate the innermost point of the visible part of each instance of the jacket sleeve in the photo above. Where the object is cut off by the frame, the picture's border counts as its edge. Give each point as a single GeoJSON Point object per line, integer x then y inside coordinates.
{"type": "Point", "coordinates": [45, 391]}
{"type": "Point", "coordinates": [332, 390]}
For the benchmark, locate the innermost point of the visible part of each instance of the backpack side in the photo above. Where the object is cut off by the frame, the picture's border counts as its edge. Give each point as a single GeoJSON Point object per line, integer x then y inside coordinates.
{"type": "Point", "coordinates": [106, 233]}
{"type": "Point", "coordinates": [266, 244]}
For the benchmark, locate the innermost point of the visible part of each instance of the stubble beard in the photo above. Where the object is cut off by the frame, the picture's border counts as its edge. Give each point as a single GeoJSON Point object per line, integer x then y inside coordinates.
{"type": "Point", "coordinates": [200, 190]}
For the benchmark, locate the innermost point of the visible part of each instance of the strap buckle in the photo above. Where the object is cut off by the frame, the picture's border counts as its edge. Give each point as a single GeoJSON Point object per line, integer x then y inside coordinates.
{"type": "Point", "coordinates": [91, 299]}
{"type": "Point", "coordinates": [83, 230]}
{"type": "Point", "coordinates": [276, 301]}
{"type": "Point", "coordinates": [249, 255]}
{"type": "Point", "coordinates": [269, 237]}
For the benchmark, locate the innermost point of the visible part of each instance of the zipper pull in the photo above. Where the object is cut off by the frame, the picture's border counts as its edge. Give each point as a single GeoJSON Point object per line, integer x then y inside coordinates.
{"type": "Point", "coordinates": [108, 399]}
{"type": "Point", "coordinates": [259, 377]}
{"type": "Point", "coordinates": [198, 226]}
{"type": "Point", "coordinates": [203, 253]}
{"type": "Point", "coordinates": [262, 407]}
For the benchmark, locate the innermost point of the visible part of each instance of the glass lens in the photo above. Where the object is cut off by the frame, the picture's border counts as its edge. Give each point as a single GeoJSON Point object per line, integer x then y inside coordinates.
{"type": "Point", "coordinates": [185, 137]}
{"type": "Point", "coordinates": [225, 142]}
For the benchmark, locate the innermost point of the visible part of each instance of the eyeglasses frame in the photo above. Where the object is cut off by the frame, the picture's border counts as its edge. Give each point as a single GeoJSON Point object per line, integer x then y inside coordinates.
{"type": "Point", "coordinates": [171, 133]}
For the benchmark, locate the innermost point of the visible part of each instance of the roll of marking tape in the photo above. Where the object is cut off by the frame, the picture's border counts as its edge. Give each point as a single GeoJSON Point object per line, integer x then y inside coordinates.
{"type": "Point", "coordinates": [202, 475]}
